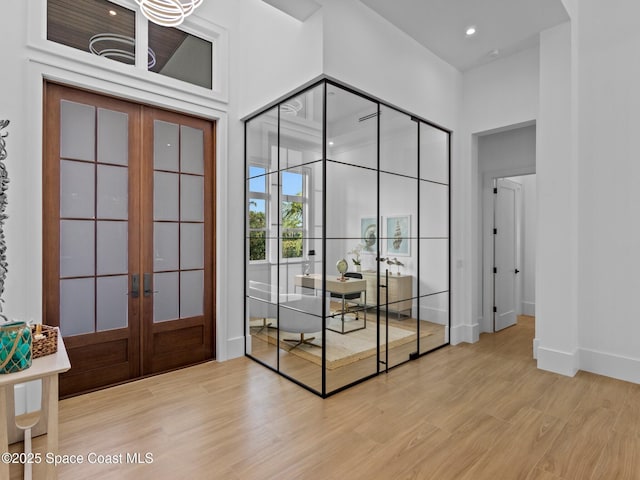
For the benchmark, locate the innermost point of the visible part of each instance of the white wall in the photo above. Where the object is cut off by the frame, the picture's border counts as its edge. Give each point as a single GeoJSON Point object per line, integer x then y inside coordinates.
{"type": "Point", "coordinates": [609, 175]}
{"type": "Point", "coordinates": [556, 277]}
{"type": "Point", "coordinates": [529, 235]}
{"type": "Point", "coordinates": [496, 96]}
{"type": "Point", "coordinates": [365, 50]}
{"type": "Point", "coordinates": [508, 150]}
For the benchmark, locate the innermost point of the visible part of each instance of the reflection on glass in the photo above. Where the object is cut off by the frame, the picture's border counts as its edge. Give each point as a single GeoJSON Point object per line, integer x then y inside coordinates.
{"type": "Point", "coordinates": [352, 128]}
{"type": "Point", "coordinates": [301, 129]}
{"type": "Point", "coordinates": [181, 55]}
{"type": "Point", "coordinates": [434, 321]}
{"type": "Point", "coordinates": [262, 142]}
{"type": "Point", "coordinates": [89, 26]}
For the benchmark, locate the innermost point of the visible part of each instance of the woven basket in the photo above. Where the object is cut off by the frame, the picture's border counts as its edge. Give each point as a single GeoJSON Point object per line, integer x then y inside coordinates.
{"type": "Point", "coordinates": [46, 343]}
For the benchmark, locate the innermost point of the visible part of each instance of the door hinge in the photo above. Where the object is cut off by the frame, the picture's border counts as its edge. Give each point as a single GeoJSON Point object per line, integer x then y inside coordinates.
{"type": "Point", "coordinates": [495, 309]}
{"type": "Point", "coordinates": [495, 270]}
{"type": "Point", "coordinates": [495, 189]}
{"type": "Point", "coordinates": [495, 231]}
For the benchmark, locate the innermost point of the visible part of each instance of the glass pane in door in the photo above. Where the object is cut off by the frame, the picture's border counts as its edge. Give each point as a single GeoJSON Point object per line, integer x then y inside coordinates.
{"type": "Point", "coordinates": [178, 210]}
{"type": "Point", "coordinates": [94, 212]}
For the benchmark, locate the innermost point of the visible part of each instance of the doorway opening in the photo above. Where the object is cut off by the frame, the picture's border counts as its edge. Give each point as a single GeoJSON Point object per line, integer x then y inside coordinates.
{"type": "Point", "coordinates": [505, 155]}
{"type": "Point", "coordinates": [513, 249]}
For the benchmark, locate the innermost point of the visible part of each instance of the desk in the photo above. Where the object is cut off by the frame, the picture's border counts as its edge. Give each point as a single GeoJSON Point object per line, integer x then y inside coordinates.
{"type": "Point", "coordinates": [46, 369]}
{"type": "Point", "coordinates": [399, 291]}
{"type": "Point", "coordinates": [335, 285]}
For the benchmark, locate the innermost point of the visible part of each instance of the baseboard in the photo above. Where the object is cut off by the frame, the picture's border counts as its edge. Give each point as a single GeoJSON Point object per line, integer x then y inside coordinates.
{"type": "Point", "coordinates": [529, 308]}
{"type": "Point", "coordinates": [564, 363]}
{"type": "Point", "coordinates": [616, 366]}
{"type": "Point", "coordinates": [235, 348]}
{"type": "Point", "coordinates": [536, 344]}
{"type": "Point", "coordinates": [434, 315]}
{"type": "Point", "coordinates": [465, 333]}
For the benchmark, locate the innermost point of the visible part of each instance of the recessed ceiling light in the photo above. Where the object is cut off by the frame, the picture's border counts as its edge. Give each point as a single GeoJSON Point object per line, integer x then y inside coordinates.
{"type": "Point", "coordinates": [113, 13]}
{"type": "Point", "coordinates": [471, 30]}
{"type": "Point", "coordinates": [331, 144]}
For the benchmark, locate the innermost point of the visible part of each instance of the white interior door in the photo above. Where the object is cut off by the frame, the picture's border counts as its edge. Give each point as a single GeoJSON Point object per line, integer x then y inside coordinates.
{"type": "Point", "coordinates": [505, 253]}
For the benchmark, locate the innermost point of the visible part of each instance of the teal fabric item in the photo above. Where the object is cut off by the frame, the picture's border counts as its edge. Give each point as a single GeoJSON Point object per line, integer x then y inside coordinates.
{"type": "Point", "coordinates": [15, 347]}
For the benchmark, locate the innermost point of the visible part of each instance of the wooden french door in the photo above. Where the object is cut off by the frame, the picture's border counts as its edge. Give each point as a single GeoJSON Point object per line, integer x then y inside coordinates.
{"type": "Point", "coordinates": [128, 262]}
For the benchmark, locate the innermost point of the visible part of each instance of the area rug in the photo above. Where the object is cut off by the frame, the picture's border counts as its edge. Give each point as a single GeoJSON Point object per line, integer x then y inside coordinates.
{"type": "Point", "coordinates": [342, 349]}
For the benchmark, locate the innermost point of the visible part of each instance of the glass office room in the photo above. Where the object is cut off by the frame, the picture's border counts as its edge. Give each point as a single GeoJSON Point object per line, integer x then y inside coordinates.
{"type": "Point", "coordinates": [347, 237]}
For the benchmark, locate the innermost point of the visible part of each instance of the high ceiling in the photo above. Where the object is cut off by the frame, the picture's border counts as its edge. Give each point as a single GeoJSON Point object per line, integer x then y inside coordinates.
{"type": "Point", "coordinates": [505, 26]}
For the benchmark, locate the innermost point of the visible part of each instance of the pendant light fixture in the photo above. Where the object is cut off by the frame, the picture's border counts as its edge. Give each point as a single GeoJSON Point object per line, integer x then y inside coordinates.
{"type": "Point", "coordinates": [168, 13]}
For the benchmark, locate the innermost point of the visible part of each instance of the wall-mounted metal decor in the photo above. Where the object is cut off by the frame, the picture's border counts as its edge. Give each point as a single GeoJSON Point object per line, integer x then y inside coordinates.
{"type": "Point", "coordinates": [4, 184]}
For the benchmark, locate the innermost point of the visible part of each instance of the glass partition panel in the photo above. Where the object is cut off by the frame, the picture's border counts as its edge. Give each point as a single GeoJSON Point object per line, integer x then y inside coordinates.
{"type": "Point", "coordinates": [351, 334]}
{"type": "Point", "coordinates": [398, 143]}
{"type": "Point", "coordinates": [434, 154]}
{"type": "Point", "coordinates": [347, 262]}
{"type": "Point", "coordinates": [398, 199]}
{"type": "Point", "coordinates": [434, 210]}
{"type": "Point", "coordinates": [399, 246]}
{"type": "Point", "coordinates": [261, 138]}
{"type": "Point", "coordinates": [434, 266]}
{"type": "Point", "coordinates": [262, 322]}
{"type": "Point", "coordinates": [352, 128]}
{"type": "Point", "coordinates": [301, 128]}
{"type": "Point", "coordinates": [352, 198]}
{"type": "Point", "coordinates": [434, 321]}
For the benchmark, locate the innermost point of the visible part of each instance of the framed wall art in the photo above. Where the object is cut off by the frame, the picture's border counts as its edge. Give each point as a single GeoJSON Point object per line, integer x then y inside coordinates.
{"type": "Point", "coordinates": [398, 235]}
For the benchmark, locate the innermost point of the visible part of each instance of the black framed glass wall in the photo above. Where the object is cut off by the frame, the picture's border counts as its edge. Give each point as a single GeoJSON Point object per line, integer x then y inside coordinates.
{"type": "Point", "coordinates": [347, 237]}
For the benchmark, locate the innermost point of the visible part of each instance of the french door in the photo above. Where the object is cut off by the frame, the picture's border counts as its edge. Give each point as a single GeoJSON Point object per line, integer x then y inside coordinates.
{"type": "Point", "coordinates": [128, 237]}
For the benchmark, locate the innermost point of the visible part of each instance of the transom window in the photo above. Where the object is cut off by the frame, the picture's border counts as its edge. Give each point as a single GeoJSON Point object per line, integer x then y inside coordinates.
{"type": "Point", "coordinates": [105, 29]}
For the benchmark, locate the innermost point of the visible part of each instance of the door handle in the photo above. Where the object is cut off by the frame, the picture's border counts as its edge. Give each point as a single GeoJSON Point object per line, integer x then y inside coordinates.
{"type": "Point", "coordinates": [135, 285]}
{"type": "Point", "coordinates": [517, 271]}
{"type": "Point", "coordinates": [146, 279]}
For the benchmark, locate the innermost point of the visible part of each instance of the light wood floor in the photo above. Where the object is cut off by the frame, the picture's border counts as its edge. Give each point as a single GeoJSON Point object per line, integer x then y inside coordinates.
{"type": "Point", "coordinates": [468, 412]}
